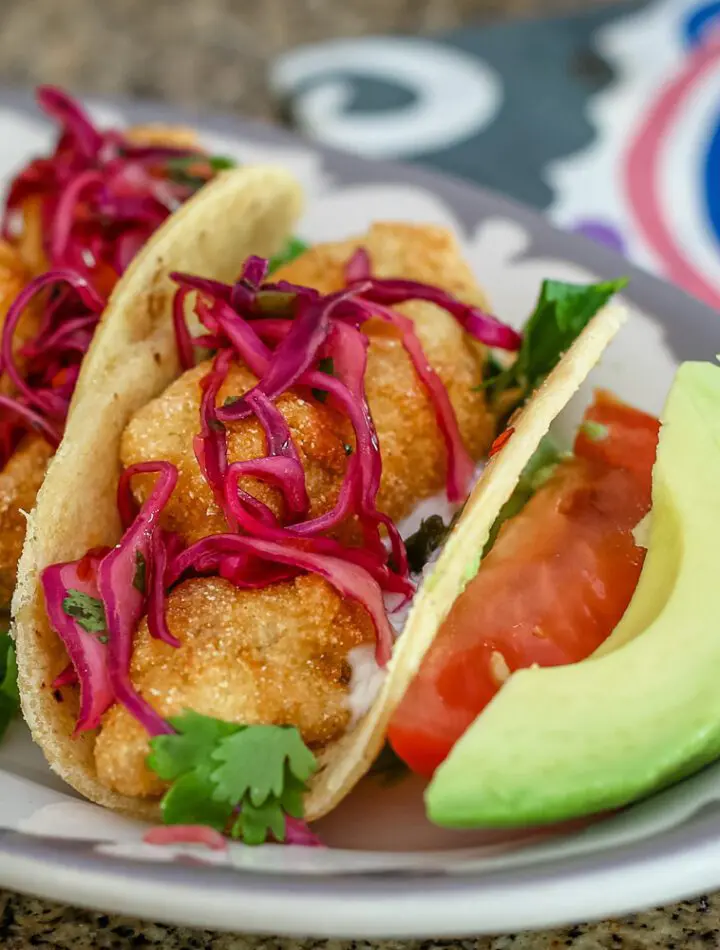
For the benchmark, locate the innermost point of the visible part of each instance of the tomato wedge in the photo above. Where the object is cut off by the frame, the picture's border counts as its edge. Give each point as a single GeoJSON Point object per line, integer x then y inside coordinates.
{"type": "Point", "coordinates": [556, 582]}
{"type": "Point", "coordinates": [630, 439]}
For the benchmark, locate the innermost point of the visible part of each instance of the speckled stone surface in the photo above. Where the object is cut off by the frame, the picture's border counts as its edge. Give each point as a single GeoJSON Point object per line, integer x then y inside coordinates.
{"type": "Point", "coordinates": [26, 922]}
{"type": "Point", "coordinates": [213, 54]}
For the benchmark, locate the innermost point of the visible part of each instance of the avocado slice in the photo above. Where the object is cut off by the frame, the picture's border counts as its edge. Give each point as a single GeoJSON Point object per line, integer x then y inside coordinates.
{"type": "Point", "coordinates": [644, 711]}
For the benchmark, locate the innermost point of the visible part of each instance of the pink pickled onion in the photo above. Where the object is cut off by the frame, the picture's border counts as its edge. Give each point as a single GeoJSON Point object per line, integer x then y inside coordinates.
{"type": "Point", "coordinates": [211, 442]}
{"type": "Point", "coordinates": [68, 677]}
{"type": "Point", "coordinates": [460, 464]}
{"type": "Point", "coordinates": [124, 602]}
{"type": "Point", "coordinates": [186, 834]}
{"type": "Point", "coordinates": [298, 832]}
{"type": "Point", "coordinates": [87, 652]}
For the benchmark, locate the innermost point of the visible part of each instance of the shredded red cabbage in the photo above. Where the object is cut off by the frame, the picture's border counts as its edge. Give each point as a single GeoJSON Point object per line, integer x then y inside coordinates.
{"type": "Point", "coordinates": [187, 834]}
{"type": "Point", "coordinates": [392, 291]}
{"type": "Point", "coordinates": [460, 465]}
{"type": "Point", "coordinates": [99, 198]}
{"type": "Point", "coordinates": [88, 652]}
{"type": "Point", "coordinates": [94, 177]}
{"type": "Point", "coordinates": [210, 444]}
{"type": "Point", "coordinates": [68, 677]}
{"type": "Point", "coordinates": [298, 832]}
{"type": "Point", "coordinates": [125, 597]}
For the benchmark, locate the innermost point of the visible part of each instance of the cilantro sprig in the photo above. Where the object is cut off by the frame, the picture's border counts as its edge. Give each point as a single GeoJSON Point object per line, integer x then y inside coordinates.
{"type": "Point", "coordinates": [561, 313]}
{"type": "Point", "coordinates": [294, 248]}
{"type": "Point", "coordinates": [9, 695]}
{"type": "Point", "coordinates": [238, 779]}
{"type": "Point", "coordinates": [87, 610]}
{"type": "Point", "coordinates": [194, 170]}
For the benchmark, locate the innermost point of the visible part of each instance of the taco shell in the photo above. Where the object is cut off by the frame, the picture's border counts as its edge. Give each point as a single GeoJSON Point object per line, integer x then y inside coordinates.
{"type": "Point", "coordinates": [345, 763]}
{"type": "Point", "coordinates": [132, 359]}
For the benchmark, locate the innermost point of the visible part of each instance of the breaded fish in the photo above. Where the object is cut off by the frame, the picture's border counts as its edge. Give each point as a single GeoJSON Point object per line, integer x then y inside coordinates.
{"type": "Point", "coordinates": [413, 452]}
{"type": "Point", "coordinates": [20, 482]}
{"type": "Point", "coordinates": [14, 276]}
{"type": "Point", "coordinates": [20, 261]}
{"type": "Point", "coordinates": [164, 429]}
{"type": "Point", "coordinates": [276, 656]}
{"type": "Point", "coordinates": [411, 444]}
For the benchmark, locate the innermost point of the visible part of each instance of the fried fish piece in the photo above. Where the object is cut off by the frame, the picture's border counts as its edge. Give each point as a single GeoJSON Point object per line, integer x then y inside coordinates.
{"type": "Point", "coordinates": [276, 656]}
{"type": "Point", "coordinates": [14, 276]}
{"type": "Point", "coordinates": [169, 136]}
{"type": "Point", "coordinates": [20, 482]}
{"type": "Point", "coordinates": [164, 429]}
{"type": "Point", "coordinates": [21, 260]}
{"type": "Point", "coordinates": [413, 451]}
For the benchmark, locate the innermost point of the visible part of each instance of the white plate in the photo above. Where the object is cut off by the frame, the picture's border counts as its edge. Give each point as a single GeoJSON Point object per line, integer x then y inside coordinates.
{"type": "Point", "coordinates": [388, 872]}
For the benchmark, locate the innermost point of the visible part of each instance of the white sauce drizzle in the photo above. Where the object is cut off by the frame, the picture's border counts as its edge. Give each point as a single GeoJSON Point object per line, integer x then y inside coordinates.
{"type": "Point", "coordinates": [365, 682]}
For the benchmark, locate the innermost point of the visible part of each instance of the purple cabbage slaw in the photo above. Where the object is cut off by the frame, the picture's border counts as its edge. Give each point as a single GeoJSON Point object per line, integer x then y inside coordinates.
{"type": "Point", "coordinates": [99, 197]}
{"type": "Point", "coordinates": [285, 334]}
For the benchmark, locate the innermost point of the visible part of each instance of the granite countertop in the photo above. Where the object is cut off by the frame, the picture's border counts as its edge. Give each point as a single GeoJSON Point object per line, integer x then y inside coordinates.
{"type": "Point", "coordinates": [213, 54]}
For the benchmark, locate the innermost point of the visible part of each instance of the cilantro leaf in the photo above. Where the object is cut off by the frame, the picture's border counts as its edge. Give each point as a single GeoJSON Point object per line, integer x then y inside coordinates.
{"type": "Point", "coordinates": [196, 736]}
{"type": "Point", "coordinates": [195, 170]}
{"type": "Point", "coordinates": [140, 578]}
{"type": "Point", "coordinates": [253, 763]}
{"type": "Point", "coordinates": [221, 163]}
{"type": "Point", "coordinates": [254, 822]}
{"type": "Point", "coordinates": [219, 770]}
{"type": "Point", "coordinates": [88, 611]}
{"type": "Point", "coordinates": [561, 313]}
{"type": "Point", "coordinates": [190, 801]}
{"type": "Point", "coordinates": [9, 695]}
{"type": "Point", "coordinates": [292, 798]}
{"type": "Point", "coordinates": [294, 248]}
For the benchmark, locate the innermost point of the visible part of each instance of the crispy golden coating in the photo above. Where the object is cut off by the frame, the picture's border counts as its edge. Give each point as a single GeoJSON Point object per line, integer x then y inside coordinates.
{"type": "Point", "coordinates": [19, 262]}
{"type": "Point", "coordinates": [20, 482]}
{"type": "Point", "coordinates": [413, 451]}
{"type": "Point", "coordinates": [173, 136]}
{"type": "Point", "coordinates": [275, 656]}
{"type": "Point", "coordinates": [422, 252]}
{"type": "Point", "coordinates": [29, 241]}
{"type": "Point", "coordinates": [13, 277]}
{"type": "Point", "coordinates": [164, 429]}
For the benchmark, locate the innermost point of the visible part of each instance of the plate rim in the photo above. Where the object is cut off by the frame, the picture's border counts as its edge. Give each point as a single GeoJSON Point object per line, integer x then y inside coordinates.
{"type": "Point", "coordinates": [376, 906]}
